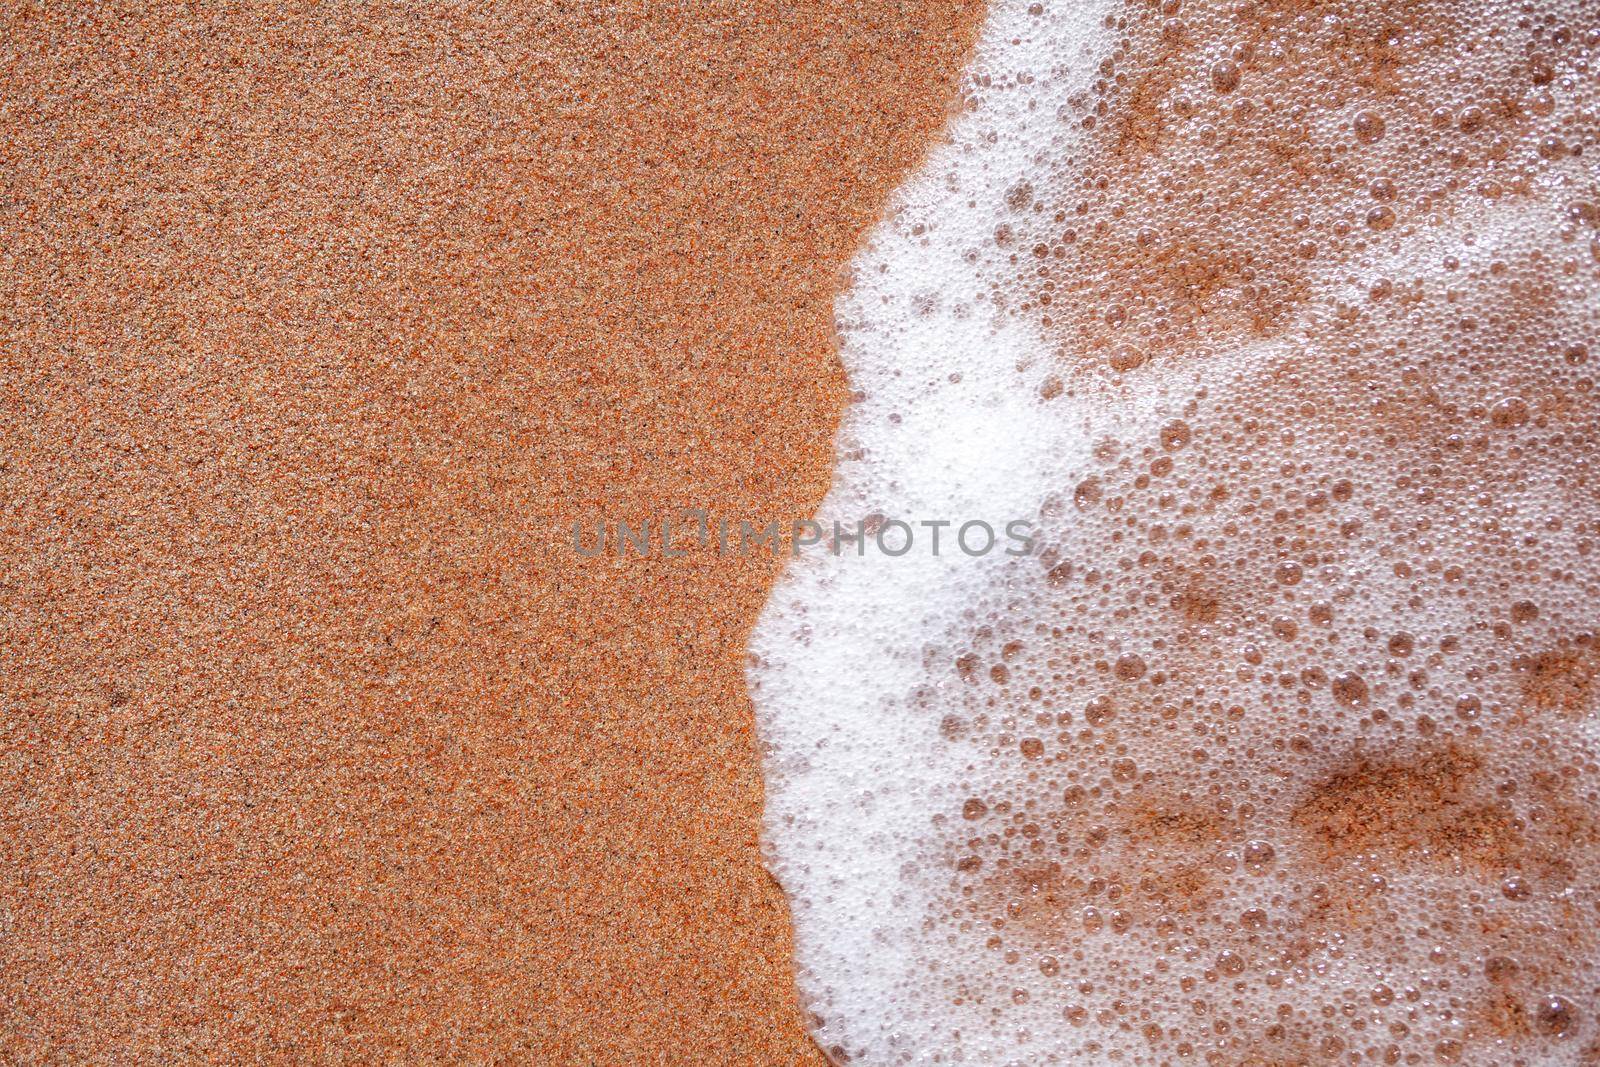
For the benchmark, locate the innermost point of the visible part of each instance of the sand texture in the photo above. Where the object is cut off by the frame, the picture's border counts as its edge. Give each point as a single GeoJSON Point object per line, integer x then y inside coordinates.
{"type": "Point", "coordinates": [320, 325]}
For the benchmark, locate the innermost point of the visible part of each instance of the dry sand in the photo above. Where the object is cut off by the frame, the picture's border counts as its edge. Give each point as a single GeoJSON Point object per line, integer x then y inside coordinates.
{"type": "Point", "coordinates": [321, 323]}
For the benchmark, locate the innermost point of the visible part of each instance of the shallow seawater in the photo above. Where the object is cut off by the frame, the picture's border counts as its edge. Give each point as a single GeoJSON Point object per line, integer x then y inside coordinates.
{"type": "Point", "coordinates": [1274, 320]}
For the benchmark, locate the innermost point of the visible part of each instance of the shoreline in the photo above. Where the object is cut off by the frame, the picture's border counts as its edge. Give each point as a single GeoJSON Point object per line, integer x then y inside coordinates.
{"type": "Point", "coordinates": [324, 747]}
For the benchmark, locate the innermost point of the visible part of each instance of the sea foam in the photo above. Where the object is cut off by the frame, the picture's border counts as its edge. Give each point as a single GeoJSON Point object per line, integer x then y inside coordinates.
{"type": "Point", "coordinates": [1273, 319]}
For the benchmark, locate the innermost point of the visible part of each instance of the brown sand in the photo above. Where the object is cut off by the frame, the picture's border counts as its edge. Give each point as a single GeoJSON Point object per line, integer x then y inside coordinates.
{"type": "Point", "coordinates": [321, 323]}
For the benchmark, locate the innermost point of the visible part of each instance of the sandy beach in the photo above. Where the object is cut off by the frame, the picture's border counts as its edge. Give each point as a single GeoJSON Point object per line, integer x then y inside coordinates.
{"type": "Point", "coordinates": [324, 323]}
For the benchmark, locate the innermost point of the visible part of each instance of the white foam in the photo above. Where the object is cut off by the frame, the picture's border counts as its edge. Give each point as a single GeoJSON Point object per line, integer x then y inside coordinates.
{"type": "Point", "coordinates": [876, 739]}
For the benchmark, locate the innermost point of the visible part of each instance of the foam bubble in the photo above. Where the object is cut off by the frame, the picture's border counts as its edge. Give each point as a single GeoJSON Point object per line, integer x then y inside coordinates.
{"type": "Point", "coordinates": [1276, 318]}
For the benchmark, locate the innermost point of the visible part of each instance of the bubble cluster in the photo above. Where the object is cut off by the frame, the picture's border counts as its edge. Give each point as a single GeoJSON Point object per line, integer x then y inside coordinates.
{"type": "Point", "coordinates": [1284, 748]}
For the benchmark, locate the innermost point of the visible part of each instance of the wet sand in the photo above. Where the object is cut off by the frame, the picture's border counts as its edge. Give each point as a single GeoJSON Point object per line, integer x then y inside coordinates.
{"type": "Point", "coordinates": [319, 741]}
